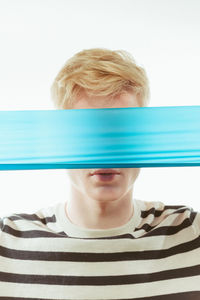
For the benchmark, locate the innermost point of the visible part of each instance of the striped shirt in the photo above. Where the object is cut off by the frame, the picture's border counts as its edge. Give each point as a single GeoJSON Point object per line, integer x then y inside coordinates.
{"type": "Point", "coordinates": [154, 256]}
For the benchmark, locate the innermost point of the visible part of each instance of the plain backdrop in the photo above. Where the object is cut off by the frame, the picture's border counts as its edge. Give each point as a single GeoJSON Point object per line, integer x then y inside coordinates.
{"type": "Point", "coordinates": [38, 36]}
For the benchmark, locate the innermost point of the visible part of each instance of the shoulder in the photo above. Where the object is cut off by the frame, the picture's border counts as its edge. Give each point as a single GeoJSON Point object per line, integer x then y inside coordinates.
{"type": "Point", "coordinates": [16, 222]}
{"type": "Point", "coordinates": [162, 214]}
{"type": "Point", "coordinates": [159, 208]}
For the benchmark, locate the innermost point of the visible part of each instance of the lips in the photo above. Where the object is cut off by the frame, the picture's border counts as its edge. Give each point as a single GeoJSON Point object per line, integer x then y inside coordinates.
{"type": "Point", "coordinates": [105, 172]}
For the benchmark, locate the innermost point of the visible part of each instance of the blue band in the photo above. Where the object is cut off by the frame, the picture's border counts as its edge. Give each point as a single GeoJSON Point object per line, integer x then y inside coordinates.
{"type": "Point", "coordinates": [131, 137]}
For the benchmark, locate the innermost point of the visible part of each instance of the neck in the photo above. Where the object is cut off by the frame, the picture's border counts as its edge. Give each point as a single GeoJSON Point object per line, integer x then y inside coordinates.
{"type": "Point", "coordinates": [94, 214]}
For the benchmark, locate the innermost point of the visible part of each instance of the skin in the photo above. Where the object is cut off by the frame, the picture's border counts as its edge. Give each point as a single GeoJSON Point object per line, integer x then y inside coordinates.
{"type": "Point", "coordinates": [95, 204]}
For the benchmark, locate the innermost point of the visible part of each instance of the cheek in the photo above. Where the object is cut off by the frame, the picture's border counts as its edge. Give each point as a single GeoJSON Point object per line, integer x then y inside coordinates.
{"type": "Point", "coordinates": [137, 172]}
{"type": "Point", "coordinates": [73, 175]}
{"type": "Point", "coordinates": [134, 174]}
{"type": "Point", "coordinates": [78, 178]}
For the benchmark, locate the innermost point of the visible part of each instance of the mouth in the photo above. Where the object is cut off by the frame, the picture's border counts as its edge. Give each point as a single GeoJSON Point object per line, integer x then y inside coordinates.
{"type": "Point", "coordinates": [105, 175]}
{"type": "Point", "coordinates": [105, 172]}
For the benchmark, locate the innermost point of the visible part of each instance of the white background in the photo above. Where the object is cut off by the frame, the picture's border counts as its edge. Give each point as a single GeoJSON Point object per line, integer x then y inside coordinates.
{"type": "Point", "coordinates": [38, 36]}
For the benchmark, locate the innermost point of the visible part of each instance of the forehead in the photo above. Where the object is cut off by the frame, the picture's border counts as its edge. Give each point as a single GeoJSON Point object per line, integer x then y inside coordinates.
{"type": "Point", "coordinates": [123, 100]}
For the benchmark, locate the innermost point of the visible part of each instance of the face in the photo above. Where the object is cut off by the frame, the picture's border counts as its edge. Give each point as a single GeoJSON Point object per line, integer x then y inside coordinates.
{"type": "Point", "coordinates": [84, 184]}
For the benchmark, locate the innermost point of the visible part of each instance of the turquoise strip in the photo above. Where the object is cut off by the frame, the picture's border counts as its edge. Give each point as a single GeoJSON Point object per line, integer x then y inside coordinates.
{"type": "Point", "coordinates": [131, 137]}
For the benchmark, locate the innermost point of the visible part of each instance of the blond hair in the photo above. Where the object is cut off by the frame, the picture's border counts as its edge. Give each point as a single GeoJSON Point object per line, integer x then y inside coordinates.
{"type": "Point", "coordinates": [99, 72]}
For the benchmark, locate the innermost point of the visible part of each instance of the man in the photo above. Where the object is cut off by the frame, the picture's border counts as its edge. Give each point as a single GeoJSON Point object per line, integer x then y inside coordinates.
{"type": "Point", "coordinates": [99, 78]}
{"type": "Point", "coordinates": [102, 243]}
